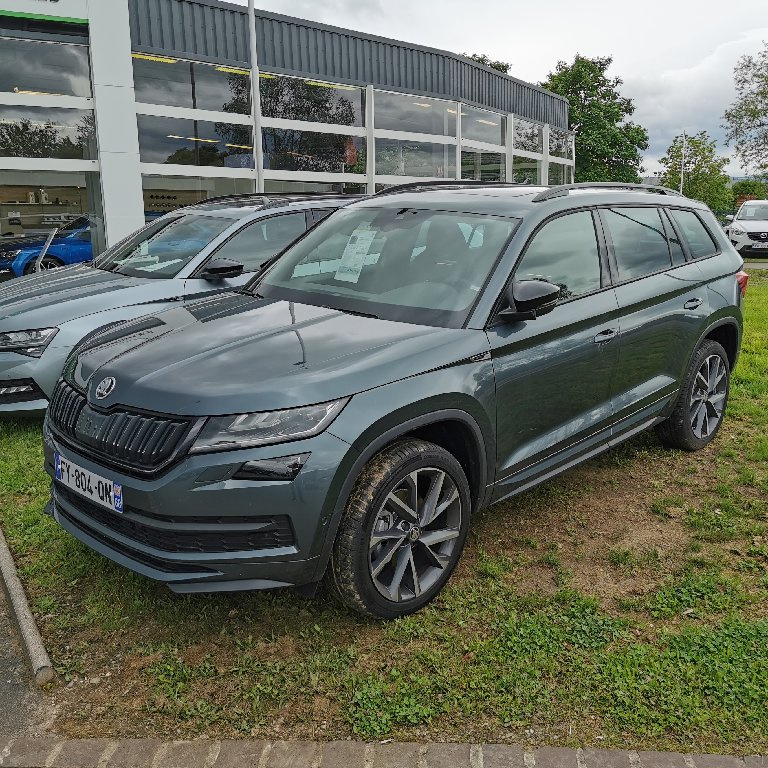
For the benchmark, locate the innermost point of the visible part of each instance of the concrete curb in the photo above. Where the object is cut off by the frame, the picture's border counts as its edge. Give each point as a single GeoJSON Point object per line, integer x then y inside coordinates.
{"type": "Point", "coordinates": [42, 668]}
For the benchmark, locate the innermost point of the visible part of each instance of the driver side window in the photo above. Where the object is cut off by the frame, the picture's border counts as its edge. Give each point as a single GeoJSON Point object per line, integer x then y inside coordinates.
{"type": "Point", "coordinates": [564, 252]}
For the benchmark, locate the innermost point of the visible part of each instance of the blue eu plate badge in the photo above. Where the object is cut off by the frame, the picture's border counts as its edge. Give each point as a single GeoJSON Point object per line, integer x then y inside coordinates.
{"type": "Point", "coordinates": [117, 491]}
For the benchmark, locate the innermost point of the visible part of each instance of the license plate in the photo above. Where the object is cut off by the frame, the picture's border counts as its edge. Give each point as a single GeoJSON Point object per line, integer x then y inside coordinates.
{"type": "Point", "coordinates": [106, 493]}
{"type": "Point", "coordinates": [760, 245]}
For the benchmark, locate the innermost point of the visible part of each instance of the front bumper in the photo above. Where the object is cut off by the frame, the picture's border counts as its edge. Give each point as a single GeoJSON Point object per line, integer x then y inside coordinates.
{"type": "Point", "coordinates": [18, 370]}
{"type": "Point", "coordinates": [194, 526]}
{"type": "Point", "coordinates": [748, 247]}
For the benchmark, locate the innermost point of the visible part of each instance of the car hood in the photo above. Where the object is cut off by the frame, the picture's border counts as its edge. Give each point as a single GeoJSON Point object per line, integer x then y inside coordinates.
{"type": "Point", "coordinates": [57, 296]}
{"type": "Point", "coordinates": [240, 354]}
{"type": "Point", "coordinates": [753, 225]}
{"type": "Point", "coordinates": [9, 245]}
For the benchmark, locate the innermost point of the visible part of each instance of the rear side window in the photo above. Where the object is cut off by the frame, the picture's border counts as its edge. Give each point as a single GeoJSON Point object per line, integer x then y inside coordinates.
{"type": "Point", "coordinates": [256, 243]}
{"type": "Point", "coordinates": [318, 214]}
{"type": "Point", "coordinates": [675, 246]}
{"type": "Point", "coordinates": [639, 241]}
{"type": "Point", "coordinates": [564, 252]}
{"type": "Point", "coordinates": [700, 242]}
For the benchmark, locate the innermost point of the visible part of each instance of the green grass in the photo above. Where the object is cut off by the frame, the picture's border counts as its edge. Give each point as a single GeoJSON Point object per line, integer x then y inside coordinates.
{"type": "Point", "coordinates": [623, 604]}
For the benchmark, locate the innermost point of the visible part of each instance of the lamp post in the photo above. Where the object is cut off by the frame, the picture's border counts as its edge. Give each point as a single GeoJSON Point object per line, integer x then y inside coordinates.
{"type": "Point", "coordinates": [258, 147]}
{"type": "Point", "coordinates": [682, 163]}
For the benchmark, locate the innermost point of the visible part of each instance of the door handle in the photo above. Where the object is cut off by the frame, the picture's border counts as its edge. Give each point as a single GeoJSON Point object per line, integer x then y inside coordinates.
{"type": "Point", "coordinates": [606, 335]}
{"type": "Point", "coordinates": [693, 303]}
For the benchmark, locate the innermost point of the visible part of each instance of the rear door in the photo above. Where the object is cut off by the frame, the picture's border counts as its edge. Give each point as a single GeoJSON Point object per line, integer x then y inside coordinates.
{"type": "Point", "coordinates": [663, 300]}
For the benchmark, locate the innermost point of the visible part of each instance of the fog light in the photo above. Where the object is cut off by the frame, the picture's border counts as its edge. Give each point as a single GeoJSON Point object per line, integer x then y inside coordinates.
{"type": "Point", "coordinates": [284, 468]}
{"type": "Point", "coordinates": [16, 390]}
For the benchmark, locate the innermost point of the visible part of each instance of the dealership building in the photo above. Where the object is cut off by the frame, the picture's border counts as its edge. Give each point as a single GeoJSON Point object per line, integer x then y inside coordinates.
{"type": "Point", "coordinates": [126, 109]}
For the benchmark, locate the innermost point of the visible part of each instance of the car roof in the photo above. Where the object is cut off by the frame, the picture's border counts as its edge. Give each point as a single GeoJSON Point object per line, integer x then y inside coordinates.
{"type": "Point", "coordinates": [246, 205]}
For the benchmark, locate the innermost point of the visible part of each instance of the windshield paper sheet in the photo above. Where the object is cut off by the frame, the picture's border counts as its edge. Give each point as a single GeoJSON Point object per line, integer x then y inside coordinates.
{"type": "Point", "coordinates": [353, 258]}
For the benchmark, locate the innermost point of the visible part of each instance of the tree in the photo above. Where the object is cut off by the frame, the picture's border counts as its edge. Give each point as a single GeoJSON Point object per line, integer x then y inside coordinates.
{"type": "Point", "coordinates": [481, 58]}
{"type": "Point", "coordinates": [703, 178]}
{"type": "Point", "coordinates": [749, 188]}
{"type": "Point", "coordinates": [607, 145]}
{"type": "Point", "coordinates": [747, 118]}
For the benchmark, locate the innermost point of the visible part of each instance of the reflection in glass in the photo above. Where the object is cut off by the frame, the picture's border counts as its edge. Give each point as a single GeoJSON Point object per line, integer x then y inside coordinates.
{"type": "Point", "coordinates": [179, 83]}
{"type": "Point", "coordinates": [528, 136]}
{"type": "Point", "coordinates": [525, 170]}
{"type": "Point", "coordinates": [194, 142]}
{"type": "Point", "coordinates": [482, 165]}
{"type": "Point", "coordinates": [415, 158]}
{"type": "Point", "coordinates": [557, 174]}
{"type": "Point", "coordinates": [415, 114]}
{"type": "Point", "coordinates": [559, 142]}
{"type": "Point", "coordinates": [37, 68]}
{"type": "Point", "coordinates": [288, 150]}
{"type": "Point", "coordinates": [163, 194]}
{"type": "Point", "coordinates": [47, 132]}
{"type": "Point", "coordinates": [292, 98]}
{"type": "Point", "coordinates": [341, 187]}
{"type": "Point", "coordinates": [479, 125]}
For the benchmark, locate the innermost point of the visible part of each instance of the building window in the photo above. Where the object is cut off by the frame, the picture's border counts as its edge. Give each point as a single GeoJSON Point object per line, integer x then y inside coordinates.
{"type": "Point", "coordinates": [414, 114]}
{"type": "Point", "coordinates": [482, 165]}
{"type": "Point", "coordinates": [558, 174]}
{"type": "Point", "coordinates": [414, 158]}
{"type": "Point", "coordinates": [339, 188]}
{"type": "Point", "coordinates": [528, 136]}
{"type": "Point", "coordinates": [312, 101]}
{"type": "Point", "coordinates": [479, 125]}
{"type": "Point", "coordinates": [525, 170]}
{"type": "Point", "coordinates": [178, 83]}
{"type": "Point", "coordinates": [47, 132]}
{"type": "Point", "coordinates": [163, 194]}
{"type": "Point", "coordinates": [194, 142]}
{"type": "Point", "coordinates": [44, 69]}
{"type": "Point", "coordinates": [289, 150]}
{"type": "Point", "coordinates": [560, 143]}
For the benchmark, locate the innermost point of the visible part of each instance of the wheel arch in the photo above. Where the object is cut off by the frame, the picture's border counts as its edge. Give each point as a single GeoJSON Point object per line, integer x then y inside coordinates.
{"type": "Point", "coordinates": [727, 334]}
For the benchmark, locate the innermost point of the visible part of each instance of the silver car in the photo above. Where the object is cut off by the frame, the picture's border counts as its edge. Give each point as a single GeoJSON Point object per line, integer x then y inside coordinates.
{"type": "Point", "coordinates": [748, 231]}
{"type": "Point", "coordinates": [182, 256]}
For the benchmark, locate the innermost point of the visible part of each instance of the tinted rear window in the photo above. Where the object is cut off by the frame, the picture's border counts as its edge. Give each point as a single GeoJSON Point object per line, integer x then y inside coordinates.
{"type": "Point", "coordinates": [639, 241]}
{"type": "Point", "coordinates": [700, 242]}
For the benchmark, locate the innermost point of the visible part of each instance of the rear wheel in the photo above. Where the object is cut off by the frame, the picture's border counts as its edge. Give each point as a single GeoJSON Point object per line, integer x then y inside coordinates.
{"type": "Point", "coordinates": [701, 404]}
{"type": "Point", "coordinates": [47, 263]}
{"type": "Point", "coordinates": [403, 530]}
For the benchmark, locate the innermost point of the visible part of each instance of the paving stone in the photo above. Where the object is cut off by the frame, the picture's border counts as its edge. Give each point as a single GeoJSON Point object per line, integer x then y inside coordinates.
{"type": "Point", "coordinates": [81, 753]}
{"type": "Point", "coordinates": [717, 761]}
{"type": "Point", "coordinates": [134, 753]}
{"type": "Point", "coordinates": [662, 760]}
{"type": "Point", "coordinates": [756, 761]}
{"type": "Point", "coordinates": [445, 755]}
{"type": "Point", "coordinates": [240, 754]}
{"type": "Point", "coordinates": [30, 753]}
{"type": "Point", "coordinates": [502, 756]}
{"type": "Point", "coordinates": [555, 757]}
{"type": "Point", "coordinates": [292, 754]}
{"type": "Point", "coordinates": [397, 755]}
{"type": "Point", "coordinates": [185, 754]}
{"type": "Point", "coordinates": [343, 754]}
{"type": "Point", "coordinates": [606, 758]}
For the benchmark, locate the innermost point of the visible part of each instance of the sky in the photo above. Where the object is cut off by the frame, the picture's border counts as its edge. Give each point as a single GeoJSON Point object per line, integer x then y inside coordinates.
{"type": "Point", "coordinates": [676, 57]}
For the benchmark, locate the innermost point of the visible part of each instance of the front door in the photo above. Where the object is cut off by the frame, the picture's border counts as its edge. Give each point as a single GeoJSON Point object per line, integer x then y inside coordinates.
{"type": "Point", "coordinates": [553, 374]}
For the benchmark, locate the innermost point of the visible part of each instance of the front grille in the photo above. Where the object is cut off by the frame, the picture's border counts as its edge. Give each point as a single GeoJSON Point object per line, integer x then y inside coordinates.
{"type": "Point", "coordinates": [141, 442]}
{"type": "Point", "coordinates": [19, 391]}
{"type": "Point", "coordinates": [221, 536]}
{"type": "Point", "coordinates": [759, 236]}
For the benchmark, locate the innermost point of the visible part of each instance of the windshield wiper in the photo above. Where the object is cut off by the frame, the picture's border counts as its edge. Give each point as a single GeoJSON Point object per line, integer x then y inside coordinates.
{"type": "Point", "coordinates": [351, 312]}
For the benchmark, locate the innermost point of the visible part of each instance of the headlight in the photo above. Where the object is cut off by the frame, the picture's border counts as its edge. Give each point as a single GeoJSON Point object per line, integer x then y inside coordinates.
{"type": "Point", "coordinates": [737, 230]}
{"type": "Point", "coordinates": [224, 433]}
{"type": "Point", "coordinates": [31, 343]}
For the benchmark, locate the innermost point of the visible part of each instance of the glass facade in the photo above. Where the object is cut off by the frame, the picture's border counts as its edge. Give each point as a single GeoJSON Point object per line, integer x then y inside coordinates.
{"type": "Point", "coordinates": [288, 150]}
{"type": "Point", "coordinates": [414, 114]}
{"type": "Point", "coordinates": [480, 125]}
{"type": "Point", "coordinates": [558, 174]}
{"type": "Point", "coordinates": [179, 83]}
{"type": "Point", "coordinates": [194, 142]}
{"type": "Point", "coordinates": [312, 101]}
{"type": "Point", "coordinates": [163, 194]}
{"type": "Point", "coordinates": [337, 188]}
{"type": "Point", "coordinates": [560, 143]}
{"type": "Point", "coordinates": [395, 157]}
{"type": "Point", "coordinates": [528, 136]}
{"type": "Point", "coordinates": [49, 132]}
{"type": "Point", "coordinates": [482, 165]}
{"type": "Point", "coordinates": [40, 68]}
{"type": "Point", "coordinates": [526, 171]}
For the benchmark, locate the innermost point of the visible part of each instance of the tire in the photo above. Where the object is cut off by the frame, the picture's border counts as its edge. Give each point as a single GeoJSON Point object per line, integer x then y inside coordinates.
{"type": "Point", "coordinates": [364, 571]}
{"type": "Point", "coordinates": [699, 412]}
{"type": "Point", "coordinates": [47, 263]}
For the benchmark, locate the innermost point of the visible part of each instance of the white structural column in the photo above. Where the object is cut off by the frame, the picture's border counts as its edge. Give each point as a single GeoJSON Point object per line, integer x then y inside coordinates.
{"type": "Point", "coordinates": [545, 164]}
{"type": "Point", "coordinates": [116, 131]}
{"type": "Point", "coordinates": [509, 144]}
{"type": "Point", "coordinates": [370, 141]}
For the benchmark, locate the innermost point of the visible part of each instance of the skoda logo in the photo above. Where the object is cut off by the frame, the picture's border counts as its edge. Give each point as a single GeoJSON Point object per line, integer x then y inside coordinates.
{"type": "Point", "coordinates": [105, 388]}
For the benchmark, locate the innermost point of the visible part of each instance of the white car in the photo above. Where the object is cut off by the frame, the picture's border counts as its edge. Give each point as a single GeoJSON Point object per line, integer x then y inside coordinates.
{"type": "Point", "coordinates": [749, 229]}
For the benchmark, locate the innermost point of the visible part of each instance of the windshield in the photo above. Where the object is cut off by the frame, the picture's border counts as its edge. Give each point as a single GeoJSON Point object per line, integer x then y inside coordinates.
{"type": "Point", "coordinates": [164, 247]}
{"type": "Point", "coordinates": [753, 213]}
{"type": "Point", "coordinates": [415, 266]}
{"type": "Point", "coordinates": [79, 223]}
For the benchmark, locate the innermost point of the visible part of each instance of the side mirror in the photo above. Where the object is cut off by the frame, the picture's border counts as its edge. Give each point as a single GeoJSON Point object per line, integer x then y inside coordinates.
{"type": "Point", "coordinates": [221, 269]}
{"type": "Point", "coordinates": [529, 299]}
{"type": "Point", "coordinates": [729, 218]}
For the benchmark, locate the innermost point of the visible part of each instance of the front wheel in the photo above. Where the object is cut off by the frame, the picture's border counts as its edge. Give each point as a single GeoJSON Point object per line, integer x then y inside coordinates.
{"type": "Point", "coordinates": [701, 404]}
{"type": "Point", "coordinates": [403, 530]}
{"type": "Point", "coordinates": [47, 263]}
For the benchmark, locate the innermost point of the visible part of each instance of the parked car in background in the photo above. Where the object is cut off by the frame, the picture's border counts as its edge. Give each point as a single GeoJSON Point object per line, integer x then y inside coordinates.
{"type": "Point", "coordinates": [748, 231]}
{"type": "Point", "coordinates": [421, 354]}
{"type": "Point", "coordinates": [192, 252]}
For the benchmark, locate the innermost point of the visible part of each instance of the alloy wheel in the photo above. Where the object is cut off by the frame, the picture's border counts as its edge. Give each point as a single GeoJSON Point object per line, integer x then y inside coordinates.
{"type": "Point", "coordinates": [708, 396]}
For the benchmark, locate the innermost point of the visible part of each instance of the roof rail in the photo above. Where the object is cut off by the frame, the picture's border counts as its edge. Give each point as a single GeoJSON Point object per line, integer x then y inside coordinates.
{"type": "Point", "coordinates": [265, 198]}
{"type": "Point", "coordinates": [564, 189]}
{"type": "Point", "coordinates": [416, 186]}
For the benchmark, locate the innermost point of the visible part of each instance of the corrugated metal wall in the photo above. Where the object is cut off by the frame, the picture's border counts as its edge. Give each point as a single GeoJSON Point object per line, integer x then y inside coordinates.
{"type": "Point", "coordinates": [210, 30]}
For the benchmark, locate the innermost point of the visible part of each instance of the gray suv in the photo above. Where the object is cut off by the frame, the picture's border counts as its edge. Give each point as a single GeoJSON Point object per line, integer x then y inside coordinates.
{"type": "Point", "coordinates": [415, 357]}
{"type": "Point", "coordinates": [202, 249]}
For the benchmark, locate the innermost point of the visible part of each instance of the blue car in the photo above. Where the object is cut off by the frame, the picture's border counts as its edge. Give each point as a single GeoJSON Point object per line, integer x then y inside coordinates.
{"type": "Point", "coordinates": [71, 245]}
